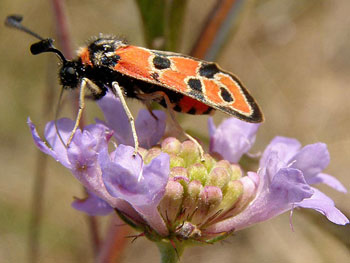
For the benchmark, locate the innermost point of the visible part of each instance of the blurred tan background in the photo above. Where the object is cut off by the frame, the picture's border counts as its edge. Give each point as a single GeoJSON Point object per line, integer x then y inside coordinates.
{"type": "Point", "coordinates": [294, 57]}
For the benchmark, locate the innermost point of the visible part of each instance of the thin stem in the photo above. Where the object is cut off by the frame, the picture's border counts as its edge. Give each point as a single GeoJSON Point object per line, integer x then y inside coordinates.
{"type": "Point", "coordinates": [37, 207]}
{"type": "Point", "coordinates": [38, 195]}
{"type": "Point", "coordinates": [115, 241]}
{"type": "Point", "coordinates": [94, 234]}
{"type": "Point", "coordinates": [62, 31]}
{"type": "Point", "coordinates": [215, 29]}
{"type": "Point", "coordinates": [170, 252]}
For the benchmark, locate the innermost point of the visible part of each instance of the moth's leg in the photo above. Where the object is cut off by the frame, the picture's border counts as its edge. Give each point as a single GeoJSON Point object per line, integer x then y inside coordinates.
{"type": "Point", "coordinates": [147, 103]}
{"type": "Point", "coordinates": [56, 117]}
{"type": "Point", "coordinates": [169, 106]}
{"type": "Point", "coordinates": [83, 86]}
{"type": "Point", "coordinates": [118, 92]}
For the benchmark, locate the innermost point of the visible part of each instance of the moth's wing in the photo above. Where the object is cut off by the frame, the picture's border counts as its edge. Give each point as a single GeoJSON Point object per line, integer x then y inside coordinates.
{"type": "Point", "coordinates": [203, 81]}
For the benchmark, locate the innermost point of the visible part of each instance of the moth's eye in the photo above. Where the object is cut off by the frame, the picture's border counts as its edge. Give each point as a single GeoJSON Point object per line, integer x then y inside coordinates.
{"type": "Point", "coordinates": [70, 71]}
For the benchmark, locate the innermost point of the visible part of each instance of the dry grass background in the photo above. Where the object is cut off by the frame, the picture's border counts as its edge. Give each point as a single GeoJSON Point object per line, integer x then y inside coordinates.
{"type": "Point", "coordinates": [294, 56]}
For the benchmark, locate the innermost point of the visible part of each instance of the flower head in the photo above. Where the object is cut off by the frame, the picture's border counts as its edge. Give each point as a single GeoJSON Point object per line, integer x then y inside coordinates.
{"type": "Point", "coordinates": [169, 193]}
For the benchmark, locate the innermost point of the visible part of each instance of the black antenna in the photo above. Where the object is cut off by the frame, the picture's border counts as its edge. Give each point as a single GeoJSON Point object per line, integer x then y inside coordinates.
{"type": "Point", "coordinates": [44, 45]}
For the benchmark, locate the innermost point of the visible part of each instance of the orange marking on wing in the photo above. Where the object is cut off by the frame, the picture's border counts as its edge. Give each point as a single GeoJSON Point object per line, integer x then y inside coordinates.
{"type": "Point", "coordinates": [134, 62]}
{"type": "Point", "coordinates": [185, 65]}
{"type": "Point", "coordinates": [240, 102]}
{"type": "Point", "coordinates": [187, 103]}
{"type": "Point", "coordinates": [174, 79]}
{"type": "Point", "coordinates": [85, 56]}
{"type": "Point", "coordinates": [212, 91]}
{"type": "Point", "coordinates": [184, 68]}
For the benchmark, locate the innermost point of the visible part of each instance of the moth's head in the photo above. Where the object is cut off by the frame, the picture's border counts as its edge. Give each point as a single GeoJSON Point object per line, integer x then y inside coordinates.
{"type": "Point", "coordinates": [69, 74]}
{"type": "Point", "coordinates": [69, 71]}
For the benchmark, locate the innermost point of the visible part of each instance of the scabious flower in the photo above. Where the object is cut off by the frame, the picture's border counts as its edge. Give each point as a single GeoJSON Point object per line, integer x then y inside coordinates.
{"type": "Point", "coordinates": [170, 194]}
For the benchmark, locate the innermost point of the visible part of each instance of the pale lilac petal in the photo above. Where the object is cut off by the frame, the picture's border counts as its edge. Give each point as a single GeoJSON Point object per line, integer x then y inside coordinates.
{"type": "Point", "coordinates": [65, 127]}
{"type": "Point", "coordinates": [150, 130]}
{"type": "Point", "coordinates": [311, 159]}
{"type": "Point", "coordinates": [285, 148]}
{"type": "Point", "coordinates": [289, 186]}
{"type": "Point", "coordinates": [141, 186]}
{"type": "Point", "coordinates": [273, 198]}
{"type": "Point", "coordinates": [328, 180]}
{"type": "Point", "coordinates": [59, 153]}
{"type": "Point", "coordinates": [155, 176]}
{"type": "Point", "coordinates": [122, 177]}
{"type": "Point", "coordinates": [93, 206]}
{"type": "Point", "coordinates": [116, 118]}
{"type": "Point", "coordinates": [325, 205]}
{"type": "Point", "coordinates": [39, 142]}
{"type": "Point", "coordinates": [82, 154]}
{"type": "Point", "coordinates": [232, 138]}
{"type": "Point", "coordinates": [101, 132]}
{"type": "Point", "coordinates": [84, 149]}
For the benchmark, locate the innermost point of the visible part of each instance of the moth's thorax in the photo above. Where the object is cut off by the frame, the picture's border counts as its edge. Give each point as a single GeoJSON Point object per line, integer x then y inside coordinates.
{"type": "Point", "coordinates": [101, 52]}
{"type": "Point", "coordinates": [95, 62]}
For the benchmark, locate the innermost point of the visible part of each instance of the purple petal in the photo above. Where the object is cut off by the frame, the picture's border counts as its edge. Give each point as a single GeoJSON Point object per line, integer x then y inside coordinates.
{"type": "Point", "coordinates": [38, 141]}
{"type": "Point", "coordinates": [93, 206]}
{"type": "Point", "coordinates": [58, 154]}
{"type": "Point", "coordinates": [85, 146]}
{"type": "Point", "coordinates": [323, 204]}
{"type": "Point", "coordinates": [311, 160]}
{"type": "Point", "coordinates": [155, 176]}
{"type": "Point", "coordinates": [65, 127]}
{"type": "Point", "coordinates": [328, 180]}
{"type": "Point", "coordinates": [285, 148]}
{"type": "Point", "coordinates": [124, 159]}
{"type": "Point", "coordinates": [289, 186]}
{"type": "Point", "coordinates": [82, 154]}
{"type": "Point", "coordinates": [149, 130]}
{"type": "Point", "coordinates": [116, 118]}
{"type": "Point", "coordinates": [101, 132]}
{"type": "Point", "coordinates": [273, 198]}
{"type": "Point", "coordinates": [122, 177]}
{"type": "Point", "coordinates": [142, 187]}
{"type": "Point", "coordinates": [232, 138]}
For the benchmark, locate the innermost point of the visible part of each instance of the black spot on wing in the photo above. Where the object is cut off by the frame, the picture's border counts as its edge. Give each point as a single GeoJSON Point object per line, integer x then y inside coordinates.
{"type": "Point", "coordinates": [160, 62]}
{"type": "Point", "coordinates": [225, 95]}
{"type": "Point", "coordinates": [195, 84]}
{"type": "Point", "coordinates": [208, 70]}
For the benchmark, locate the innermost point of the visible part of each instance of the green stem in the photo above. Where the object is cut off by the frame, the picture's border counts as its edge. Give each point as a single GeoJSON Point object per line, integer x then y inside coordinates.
{"type": "Point", "coordinates": [169, 253]}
